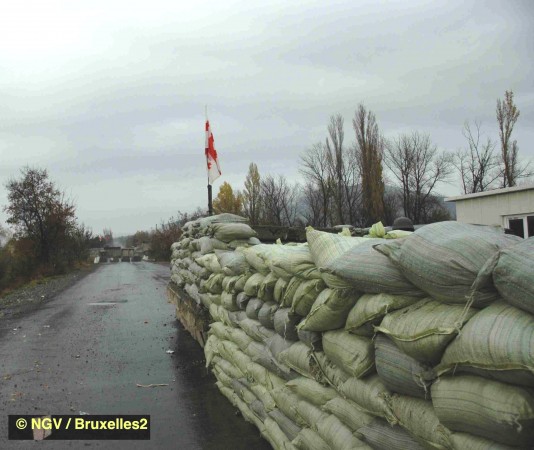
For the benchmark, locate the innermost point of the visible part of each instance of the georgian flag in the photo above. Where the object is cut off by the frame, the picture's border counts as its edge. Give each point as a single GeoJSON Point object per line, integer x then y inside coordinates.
{"type": "Point", "coordinates": [214, 171]}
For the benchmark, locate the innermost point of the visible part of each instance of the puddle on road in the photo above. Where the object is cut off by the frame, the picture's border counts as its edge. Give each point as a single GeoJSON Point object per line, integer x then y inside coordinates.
{"type": "Point", "coordinates": [115, 302]}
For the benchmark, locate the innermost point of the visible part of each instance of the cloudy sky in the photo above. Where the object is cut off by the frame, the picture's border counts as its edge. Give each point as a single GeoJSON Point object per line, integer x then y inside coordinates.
{"type": "Point", "coordinates": [109, 95]}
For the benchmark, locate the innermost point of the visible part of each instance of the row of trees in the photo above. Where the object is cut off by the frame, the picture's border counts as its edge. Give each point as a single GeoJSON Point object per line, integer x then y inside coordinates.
{"type": "Point", "coordinates": [346, 183]}
{"type": "Point", "coordinates": [46, 238]}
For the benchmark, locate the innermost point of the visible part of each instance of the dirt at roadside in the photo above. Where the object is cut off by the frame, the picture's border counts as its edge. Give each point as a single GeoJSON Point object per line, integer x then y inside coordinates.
{"type": "Point", "coordinates": [31, 296]}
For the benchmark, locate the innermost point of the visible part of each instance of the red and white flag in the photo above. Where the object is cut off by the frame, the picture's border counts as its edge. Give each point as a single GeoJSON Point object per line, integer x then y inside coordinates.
{"type": "Point", "coordinates": [214, 170]}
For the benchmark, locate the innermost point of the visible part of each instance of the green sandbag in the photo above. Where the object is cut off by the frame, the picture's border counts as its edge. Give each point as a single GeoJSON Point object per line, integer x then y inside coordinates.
{"type": "Point", "coordinates": [366, 270]}
{"type": "Point", "coordinates": [287, 401]}
{"type": "Point", "coordinates": [266, 314]}
{"type": "Point", "coordinates": [210, 262]}
{"type": "Point", "coordinates": [292, 260]}
{"type": "Point", "coordinates": [291, 288]}
{"type": "Point", "coordinates": [298, 357]}
{"type": "Point", "coordinates": [253, 308]}
{"type": "Point", "coordinates": [242, 300]}
{"type": "Point", "coordinates": [266, 289]}
{"type": "Point", "coordinates": [255, 330]}
{"type": "Point", "coordinates": [305, 296]}
{"type": "Point", "coordinates": [264, 396]}
{"type": "Point", "coordinates": [312, 339]}
{"type": "Point", "coordinates": [228, 232]}
{"type": "Point", "coordinates": [337, 435]}
{"type": "Point", "coordinates": [229, 369]}
{"type": "Point", "coordinates": [289, 427]}
{"type": "Point", "coordinates": [285, 323]}
{"type": "Point", "coordinates": [326, 247]}
{"type": "Point", "coordinates": [220, 330]}
{"type": "Point", "coordinates": [308, 439]}
{"type": "Point", "coordinates": [369, 394]}
{"type": "Point", "coordinates": [465, 441]}
{"type": "Point", "coordinates": [280, 290]}
{"type": "Point", "coordinates": [232, 262]}
{"type": "Point", "coordinates": [237, 284]}
{"type": "Point", "coordinates": [487, 408]}
{"type": "Point", "coordinates": [353, 354]}
{"type": "Point", "coordinates": [211, 348]}
{"type": "Point", "coordinates": [252, 285]}
{"type": "Point", "coordinates": [276, 436]}
{"type": "Point", "coordinates": [214, 283]}
{"type": "Point", "coordinates": [419, 418]}
{"type": "Point", "coordinates": [326, 372]}
{"type": "Point", "coordinates": [258, 257]}
{"type": "Point", "coordinates": [402, 373]}
{"type": "Point", "coordinates": [382, 436]}
{"type": "Point", "coordinates": [239, 337]}
{"type": "Point", "coordinates": [308, 414]}
{"type": "Point", "coordinates": [330, 310]}
{"type": "Point", "coordinates": [371, 308]}
{"type": "Point", "coordinates": [444, 259]}
{"type": "Point", "coordinates": [348, 412]}
{"type": "Point", "coordinates": [311, 391]}
{"type": "Point", "coordinates": [498, 342]}
{"type": "Point", "coordinates": [424, 330]}
{"type": "Point", "coordinates": [513, 275]}
{"type": "Point", "coordinates": [228, 301]}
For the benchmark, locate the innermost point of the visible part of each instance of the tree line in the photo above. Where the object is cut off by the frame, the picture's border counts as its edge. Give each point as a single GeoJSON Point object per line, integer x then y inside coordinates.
{"type": "Point", "coordinates": [46, 237]}
{"type": "Point", "coordinates": [374, 178]}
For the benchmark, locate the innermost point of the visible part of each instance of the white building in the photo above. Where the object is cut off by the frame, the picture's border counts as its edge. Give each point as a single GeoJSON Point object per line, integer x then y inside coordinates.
{"type": "Point", "coordinates": [508, 208]}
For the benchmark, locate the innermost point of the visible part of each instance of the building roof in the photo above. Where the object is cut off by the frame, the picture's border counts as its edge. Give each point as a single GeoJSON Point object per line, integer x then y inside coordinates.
{"type": "Point", "coordinates": [459, 198]}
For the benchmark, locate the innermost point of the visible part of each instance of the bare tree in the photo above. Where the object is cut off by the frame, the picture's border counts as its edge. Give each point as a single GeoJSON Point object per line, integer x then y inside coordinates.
{"type": "Point", "coordinates": [507, 115]}
{"type": "Point", "coordinates": [477, 165]}
{"type": "Point", "coordinates": [336, 167]}
{"type": "Point", "coordinates": [369, 152]}
{"type": "Point", "coordinates": [418, 166]}
{"type": "Point", "coordinates": [314, 168]}
{"type": "Point", "coordinates": [252, 195]}
{"type": "Point", "coordinates": [280, 201]}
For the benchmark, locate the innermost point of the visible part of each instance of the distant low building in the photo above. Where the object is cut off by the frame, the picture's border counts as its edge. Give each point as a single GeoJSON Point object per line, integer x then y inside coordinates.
{"type": "Point", "coordinates": [510, 208]}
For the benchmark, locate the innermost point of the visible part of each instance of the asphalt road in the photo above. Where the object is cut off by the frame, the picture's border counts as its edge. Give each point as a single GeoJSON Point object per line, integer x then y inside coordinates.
{"type": "Point", "coordinates": [86, 351]}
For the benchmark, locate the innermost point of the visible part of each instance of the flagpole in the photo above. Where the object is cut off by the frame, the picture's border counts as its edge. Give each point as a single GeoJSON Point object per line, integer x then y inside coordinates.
{"type": "Point", "coordinates": [210, 202]}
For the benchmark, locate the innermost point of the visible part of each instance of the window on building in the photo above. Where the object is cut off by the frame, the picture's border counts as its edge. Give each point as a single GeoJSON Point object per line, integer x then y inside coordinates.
{"type": "Point", "coordinates": [522, 226]}
{"type": "Point", "coordinates": [516, 225]}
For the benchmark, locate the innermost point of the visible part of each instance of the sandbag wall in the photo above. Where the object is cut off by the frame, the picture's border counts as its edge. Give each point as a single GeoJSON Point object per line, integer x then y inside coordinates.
{"type": "Point", "coordinates": [342, 343]}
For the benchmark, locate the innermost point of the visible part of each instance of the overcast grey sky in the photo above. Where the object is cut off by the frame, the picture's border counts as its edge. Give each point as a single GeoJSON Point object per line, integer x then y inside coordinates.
{"type": "Point", "coordinates": [109, 95]}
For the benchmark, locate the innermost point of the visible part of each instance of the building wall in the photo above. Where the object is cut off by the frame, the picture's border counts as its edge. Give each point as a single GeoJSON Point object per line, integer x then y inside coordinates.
{"type": "Point", "coordinates": [491, 210]}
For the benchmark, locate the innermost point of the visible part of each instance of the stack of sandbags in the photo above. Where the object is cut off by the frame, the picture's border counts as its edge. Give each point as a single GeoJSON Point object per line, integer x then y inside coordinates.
{"type": "Point", "coordinates": [193, 260]}
{"type": "Point", "coordinates": [480, 347]}
{"type": "Point", "coordinates": [339, 343]}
